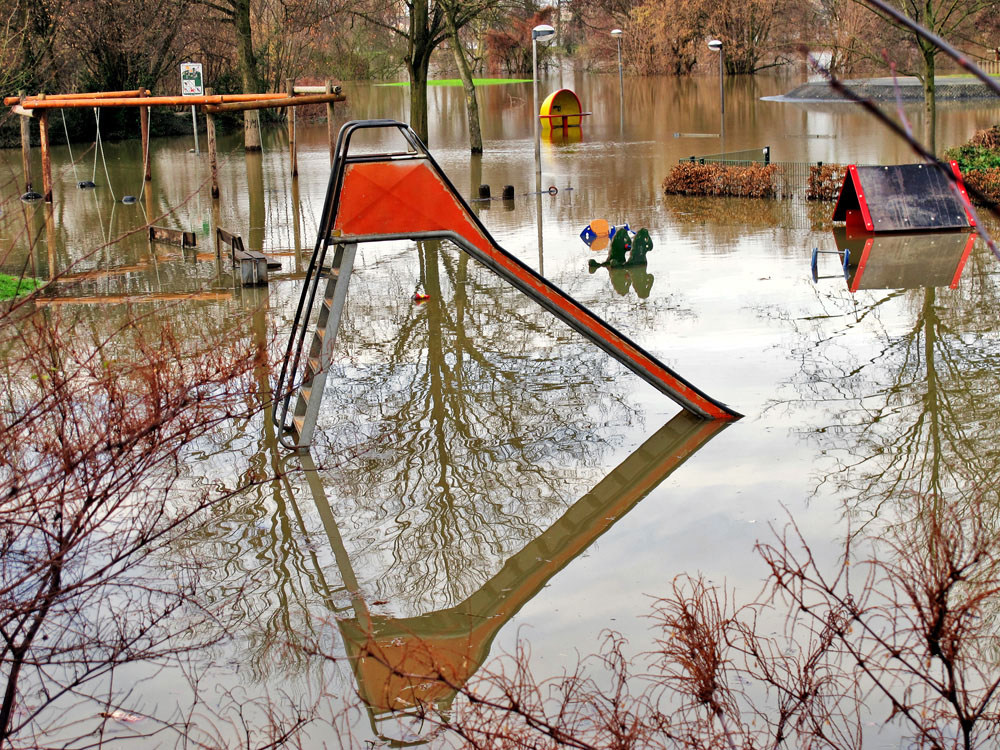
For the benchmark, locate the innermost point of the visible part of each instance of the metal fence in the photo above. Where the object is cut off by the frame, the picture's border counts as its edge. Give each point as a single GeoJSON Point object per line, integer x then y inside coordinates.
{"type": "Point", "coordinates": [749, 156]}
{"type": "Point", "coordinates": [791, 178]}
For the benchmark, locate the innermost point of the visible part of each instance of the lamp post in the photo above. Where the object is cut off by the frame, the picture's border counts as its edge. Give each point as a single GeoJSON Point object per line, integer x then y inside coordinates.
{"type": "Point", "coordinates": [716, 46]}
{"type": "Point", "coordinates": [541, 33]}
{"type": "Point", "coordinates": [617, 34]}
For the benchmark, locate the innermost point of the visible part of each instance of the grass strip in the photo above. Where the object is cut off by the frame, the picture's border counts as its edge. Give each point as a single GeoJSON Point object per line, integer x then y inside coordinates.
{"type": "Point", "coordinates": [458, 82]}
{"type": "Point", "coordinates": [11, 286]}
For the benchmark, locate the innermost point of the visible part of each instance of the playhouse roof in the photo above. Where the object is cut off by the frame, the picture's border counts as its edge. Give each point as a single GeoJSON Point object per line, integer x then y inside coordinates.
{"type": "Point", "coordinates": [903, 198]}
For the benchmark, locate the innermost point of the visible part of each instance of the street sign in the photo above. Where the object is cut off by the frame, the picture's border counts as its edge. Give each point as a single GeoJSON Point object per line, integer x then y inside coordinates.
{"type": "Point", "coordinates": [192, 81]}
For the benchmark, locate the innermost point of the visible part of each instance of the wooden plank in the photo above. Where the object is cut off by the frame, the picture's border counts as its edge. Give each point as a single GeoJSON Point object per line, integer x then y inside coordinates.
{"type": "Point", "coordinates": [120, 299]}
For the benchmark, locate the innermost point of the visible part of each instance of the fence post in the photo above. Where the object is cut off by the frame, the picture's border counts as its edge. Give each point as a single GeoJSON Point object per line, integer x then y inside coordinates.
{"type": "Point", "coordinates": [767, 155]}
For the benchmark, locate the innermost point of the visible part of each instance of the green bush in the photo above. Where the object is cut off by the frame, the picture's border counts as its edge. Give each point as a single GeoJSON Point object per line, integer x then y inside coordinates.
{"type": "Point", "coordinates": [981, 152]}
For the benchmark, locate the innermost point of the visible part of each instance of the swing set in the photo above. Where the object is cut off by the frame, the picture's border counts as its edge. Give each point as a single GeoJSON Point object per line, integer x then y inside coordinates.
{"type": "Point", "coordinates": [38, 106]}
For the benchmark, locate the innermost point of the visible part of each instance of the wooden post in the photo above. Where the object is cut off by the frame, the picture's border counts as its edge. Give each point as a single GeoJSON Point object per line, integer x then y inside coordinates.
{"type": "Point", "coordinates": [210, 128]}
{"type": "Point", "coordinates": [144, 131]}
{"type": "Point", "coordinates": [296, 221]}
{"type": "Point", "coordinates": [329, 121]}
{"type": "Point", "coordinates": [43, 136]}
{"type": "Point", "coordinates": [25, 147]}
{"type": "Point", "coordinates": [50, 240]}
{"type": "Point", "coordinates": [292, 156]}
{"type": "Point", "coordinates": [251, 130]}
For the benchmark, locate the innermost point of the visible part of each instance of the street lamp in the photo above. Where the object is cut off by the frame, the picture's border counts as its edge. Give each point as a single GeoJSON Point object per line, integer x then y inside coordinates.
{"type": "Point", "coordinates": [617, 34]}
{"type": "Point", "coordinates": [541, 33]}
{"type": "Point", "coordinates": [716, 46]}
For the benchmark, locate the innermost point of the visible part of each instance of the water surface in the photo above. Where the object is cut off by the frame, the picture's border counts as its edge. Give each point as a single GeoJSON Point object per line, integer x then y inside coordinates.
{"type": "Point", "coordinates": [466, 485]}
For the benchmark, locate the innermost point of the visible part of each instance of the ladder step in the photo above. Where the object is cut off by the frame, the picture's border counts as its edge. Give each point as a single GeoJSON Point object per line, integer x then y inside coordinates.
{"type": "Point", "coordinates": [313, 366]}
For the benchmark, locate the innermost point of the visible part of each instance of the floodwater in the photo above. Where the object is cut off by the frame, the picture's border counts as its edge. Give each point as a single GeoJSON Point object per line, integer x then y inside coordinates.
{"type": "Point", "coordinates": [482, 474]}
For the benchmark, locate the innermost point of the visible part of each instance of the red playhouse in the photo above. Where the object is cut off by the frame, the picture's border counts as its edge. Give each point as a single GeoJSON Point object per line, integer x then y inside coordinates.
{"type": "Point", "coordinates": [903, 198]}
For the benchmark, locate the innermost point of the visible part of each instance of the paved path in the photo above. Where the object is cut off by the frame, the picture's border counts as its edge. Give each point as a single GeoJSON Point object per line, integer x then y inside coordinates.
{"type": "Point", "coordinates": [882, 89]}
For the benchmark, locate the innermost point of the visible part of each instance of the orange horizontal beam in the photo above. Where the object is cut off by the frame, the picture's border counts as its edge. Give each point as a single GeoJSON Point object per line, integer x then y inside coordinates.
{"type": "Point", "coordinates": [286, 101]}
{"type": "Point", "coordinates": [10, 101]}
{"type": "Point", "coordinates": [149, 101]}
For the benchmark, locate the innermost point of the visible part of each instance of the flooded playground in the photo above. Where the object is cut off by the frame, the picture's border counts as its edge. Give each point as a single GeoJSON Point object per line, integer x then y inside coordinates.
{"type": "Point", "coordinates": [480, 473]}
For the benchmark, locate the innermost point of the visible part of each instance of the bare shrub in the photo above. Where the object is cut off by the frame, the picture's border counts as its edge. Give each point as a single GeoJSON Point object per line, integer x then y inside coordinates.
{"type": "Point", "coordinates": [986, 184]}
{"type": "Point", "coordinates": [989, 138]}
{"type": "Point", "coordinates": [907, 623]}
{"type": "Point", "coordinates": [750, 181]}
{"type": "Point", "coordinates": [825, 182]}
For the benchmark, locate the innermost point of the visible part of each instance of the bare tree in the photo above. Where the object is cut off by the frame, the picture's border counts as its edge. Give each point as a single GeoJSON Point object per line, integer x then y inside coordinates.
{"type": "Point", "coordinates": [948, 19]}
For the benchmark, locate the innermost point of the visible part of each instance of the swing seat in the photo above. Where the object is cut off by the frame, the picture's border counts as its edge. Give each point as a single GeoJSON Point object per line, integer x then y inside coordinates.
{"type": "Point", "coordinates": [85, 184]}
{"type": "Point", "coordinates": [128, 199]}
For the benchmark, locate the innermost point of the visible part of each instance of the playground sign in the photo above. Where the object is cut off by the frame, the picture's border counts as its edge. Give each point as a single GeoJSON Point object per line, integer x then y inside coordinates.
{"type": "Point", "coordinates": [192, 81]}
{"type": "Point", "coordinates": [193, 84]}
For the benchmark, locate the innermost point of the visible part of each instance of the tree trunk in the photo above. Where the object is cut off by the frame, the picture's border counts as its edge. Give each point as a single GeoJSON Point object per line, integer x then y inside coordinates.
{"type": "Point", "coordinates": [418, 99]}
{"type": "Point", "coordinates": [471, 104]}
{"type": "Point", "coordinates": [417, 63]}
{"type": "Point", "coordinates": [244, 47]}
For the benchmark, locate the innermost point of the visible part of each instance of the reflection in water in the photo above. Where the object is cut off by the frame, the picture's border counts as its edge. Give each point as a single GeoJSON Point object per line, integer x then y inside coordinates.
{"type": "Point", "coordinates": [422, 661]}
{"type": "Point", "coordinates": [632, 277]}
{"type": "Point", "coordinates": [466, 388]}
{"type": "Point", "coordinates": [918, 421]}
{"type": "Point", "coordinates": [721, 223]}
{"type": "Point", "coordinates": [255, 193]}
{"type": "Point", "coordinates": [904, 261]}
{"type": "Point", "coordinates": [462, 431]}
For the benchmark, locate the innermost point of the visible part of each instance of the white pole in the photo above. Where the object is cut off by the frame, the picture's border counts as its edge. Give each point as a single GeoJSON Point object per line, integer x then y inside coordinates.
{"type": "Point", "coordinates": [194, 125]}
{"type": "Point", "coordinates": [621, 90]}
{"type": "Point", "coordinates": [534, 106]}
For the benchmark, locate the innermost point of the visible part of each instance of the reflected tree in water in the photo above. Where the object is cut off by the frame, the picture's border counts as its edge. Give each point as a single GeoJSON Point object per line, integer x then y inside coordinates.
{"type": "Point", "coordinates": [915, 420]}
{"type": "Point", "coordinates": [489, 420]}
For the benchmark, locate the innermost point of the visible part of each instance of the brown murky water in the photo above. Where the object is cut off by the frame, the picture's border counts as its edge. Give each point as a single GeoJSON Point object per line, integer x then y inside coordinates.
{"type": "Point", "coordinates": [481, 472]}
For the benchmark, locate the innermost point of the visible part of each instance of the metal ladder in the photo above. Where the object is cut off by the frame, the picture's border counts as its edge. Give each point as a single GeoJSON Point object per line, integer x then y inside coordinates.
{"type": "Point", "coordinates": [297, 432]}
{"type": "Point", "coordinates": [297, 425]}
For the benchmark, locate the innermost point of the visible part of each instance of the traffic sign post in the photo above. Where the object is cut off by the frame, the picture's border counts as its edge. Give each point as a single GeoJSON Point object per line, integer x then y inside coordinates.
{"type": "Point", "coordinates": [193, 84]}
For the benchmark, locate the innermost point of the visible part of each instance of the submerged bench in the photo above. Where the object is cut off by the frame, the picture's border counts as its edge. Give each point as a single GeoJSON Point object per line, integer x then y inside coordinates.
{"type": "Point", "coordinates": [253, 265]}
